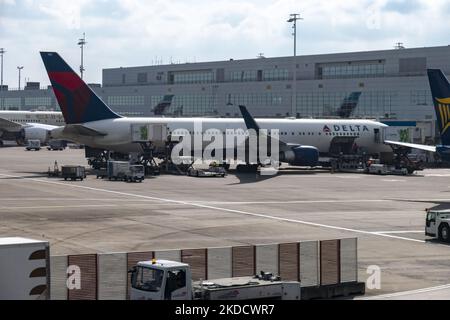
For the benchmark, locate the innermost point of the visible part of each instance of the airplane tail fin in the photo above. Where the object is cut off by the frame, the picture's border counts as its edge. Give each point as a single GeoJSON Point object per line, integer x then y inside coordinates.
{"type": "Point", "coordinates": [349, 105]}
{"type": "Point", "coordinates": [163, 106]}
{"type": "Point", "coordinates": [440, 91]}
{"type": "Point", "coordinates": [78, 102]}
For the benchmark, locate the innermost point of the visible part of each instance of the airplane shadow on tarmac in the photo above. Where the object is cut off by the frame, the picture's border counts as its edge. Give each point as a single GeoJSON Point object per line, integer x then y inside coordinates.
{"type": "Point", "coordinates": [247, 178]}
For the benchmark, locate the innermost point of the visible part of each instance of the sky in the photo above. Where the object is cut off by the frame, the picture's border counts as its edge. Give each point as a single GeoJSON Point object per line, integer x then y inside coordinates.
{"type": "Point", "coordinates": [137, 32]}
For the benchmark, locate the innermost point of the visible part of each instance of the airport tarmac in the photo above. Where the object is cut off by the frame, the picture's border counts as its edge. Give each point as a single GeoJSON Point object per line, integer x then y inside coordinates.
{"type": "Point", "coordinates": [386, 213]}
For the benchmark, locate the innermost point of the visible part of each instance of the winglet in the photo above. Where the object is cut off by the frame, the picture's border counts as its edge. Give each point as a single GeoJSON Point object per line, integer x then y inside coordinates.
{"type": "Point", "coordinates": [249, 120]}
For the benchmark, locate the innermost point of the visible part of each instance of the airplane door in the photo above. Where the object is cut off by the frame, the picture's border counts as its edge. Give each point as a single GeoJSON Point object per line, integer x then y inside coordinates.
{"type": "Point", "coordinates": [377, 135]}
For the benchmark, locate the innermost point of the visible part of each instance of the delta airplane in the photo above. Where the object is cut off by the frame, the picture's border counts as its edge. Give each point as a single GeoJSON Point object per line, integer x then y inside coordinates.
{"type": "Point", "coordinates": [20, 126]}
{"type": "Point", "coordinates": [91, 122]}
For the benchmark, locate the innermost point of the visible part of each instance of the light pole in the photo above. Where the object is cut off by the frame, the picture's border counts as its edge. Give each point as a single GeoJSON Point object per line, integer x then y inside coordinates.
{"type": "Point", "coordinates": [293, 18]}
{"type": "Point", "coordinates": [20, 69]}
{"type": "Point", "coordinates": [2, 52]}
{"type": "Point", "coordinates": [81, 43]}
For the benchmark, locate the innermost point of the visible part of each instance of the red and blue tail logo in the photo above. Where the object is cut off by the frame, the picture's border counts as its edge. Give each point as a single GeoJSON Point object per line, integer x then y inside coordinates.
{"type": "Point", "coordinates": [78, 103]}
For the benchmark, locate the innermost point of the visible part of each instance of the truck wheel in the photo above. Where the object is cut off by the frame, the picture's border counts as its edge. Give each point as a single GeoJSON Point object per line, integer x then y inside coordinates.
{"type": "Point", "coordinates": [444, 233]}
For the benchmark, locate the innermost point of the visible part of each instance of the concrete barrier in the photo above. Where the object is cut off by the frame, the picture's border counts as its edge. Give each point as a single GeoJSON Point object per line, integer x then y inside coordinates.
{"type": "Point", "coordinates": [58, 277]}
{"type": "Point", "coordinates": [316, 264]}
{"type": "Point", "coordinates": [112, 276]}
{"type": "Point", "coordinates": [349, 260]}
{"type": "Point", "coordinates": [219, 263]}
{"type": "Point", "coordinates": [267, 258]}
{"type": "Point", "coordinates": [309, 263]}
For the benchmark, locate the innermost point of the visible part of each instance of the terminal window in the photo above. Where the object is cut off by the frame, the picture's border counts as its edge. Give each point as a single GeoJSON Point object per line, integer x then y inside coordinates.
{"type": "Point", "coordinates": [192, 77]}
{"type": "Point", "coordinates": [351, 70]}
{"type": "Point", "coordinates": [126, 100]}
{"type": "Point", "coordinates": [38, 101]}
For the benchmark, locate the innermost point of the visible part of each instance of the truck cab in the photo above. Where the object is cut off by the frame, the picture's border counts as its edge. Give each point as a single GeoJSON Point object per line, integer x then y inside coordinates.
{"type": "Point", "coordinates": [161, 280]}
{"type": "Point", "coordinates": [438, 224]}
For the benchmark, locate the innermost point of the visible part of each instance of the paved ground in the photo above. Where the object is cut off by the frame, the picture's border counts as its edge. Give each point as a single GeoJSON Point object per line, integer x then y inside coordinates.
{"type": "Point", "coordinates": [385, 213]}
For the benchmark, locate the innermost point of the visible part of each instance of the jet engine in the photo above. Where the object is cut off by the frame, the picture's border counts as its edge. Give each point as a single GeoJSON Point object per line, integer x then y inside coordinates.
{"type": "Point", "coordinates": [34, 133]}
{"type": "Point", "coordinates": [302, 156]}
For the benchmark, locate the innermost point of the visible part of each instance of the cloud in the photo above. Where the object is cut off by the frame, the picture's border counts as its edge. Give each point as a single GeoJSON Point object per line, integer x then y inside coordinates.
{"type": "Point", "coordinates": [134, 32]}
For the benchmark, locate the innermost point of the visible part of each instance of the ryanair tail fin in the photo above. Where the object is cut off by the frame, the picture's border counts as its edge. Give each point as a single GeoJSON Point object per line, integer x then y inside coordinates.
{"type": "Point", "coordinates": [349, 105]}
{"type": "Point", "coordinates": [78, 103]}
{"type": "Point", "coordinates": [440, 91]}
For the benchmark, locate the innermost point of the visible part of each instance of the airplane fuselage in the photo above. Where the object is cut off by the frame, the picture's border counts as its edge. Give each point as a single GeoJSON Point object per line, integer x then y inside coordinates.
{"type": "Point", "coordinates": [318, 133]}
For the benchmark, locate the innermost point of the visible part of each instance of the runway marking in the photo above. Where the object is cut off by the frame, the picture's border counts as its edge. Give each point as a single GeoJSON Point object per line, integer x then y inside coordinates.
{"type": "Point", "coordinates": [393, 180]}
{"type": "Point", "coordinates": [408, 293]}
{"type": "Point", "coordinates": [399, 232]}
{"type": "Point", "coordinates": [75, 199]}
{"type": "Point", "coordinates": [289, 202]}
{"type": "Point", "coordinates": [223, 209]}
{"type": "Point", "coordinates": [59, 207]}
{"type": "Point", "coordinates": [437, 175]}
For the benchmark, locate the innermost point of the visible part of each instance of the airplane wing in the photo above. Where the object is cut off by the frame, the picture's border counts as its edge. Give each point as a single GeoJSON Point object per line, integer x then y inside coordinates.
{"type": "Point", "coordinates": [9, 125]}
{"type": "Point", "coordinates": [82, 130]}
{"type": "Point", "coordinates": [412, 146]}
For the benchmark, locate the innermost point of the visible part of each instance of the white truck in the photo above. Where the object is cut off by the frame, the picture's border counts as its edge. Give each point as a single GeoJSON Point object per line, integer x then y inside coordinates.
{"type": "Point", "coordinates": [33, 145]}
{"type": "Point", "coordinates": [170, 280]}
{"type": "Point", "coordinates": [123, 170]}
{"type": "Point", "coordinates": [438, 224]}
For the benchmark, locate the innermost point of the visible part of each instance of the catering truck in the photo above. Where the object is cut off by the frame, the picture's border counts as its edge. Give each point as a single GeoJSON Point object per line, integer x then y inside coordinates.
{"type": "Point", "coordinates": [123, 170]}
{"type": "Point", "coordinates": [170, 280]}
{"type": "Point", "coordinates": [24, 269]}
{"type": "Point", "coordinates": [438, 224]}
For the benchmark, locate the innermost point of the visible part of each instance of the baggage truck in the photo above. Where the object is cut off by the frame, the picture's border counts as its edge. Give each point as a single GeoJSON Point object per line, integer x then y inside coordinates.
{"type": "Point", "coordinates": [33, 145]}
{"type": "Point", "coordinates": [73, 173]}
{"type": "Point", "coordinates": [170, 280]}
{"type": "Point", "coordinates": [56, 145]}
{"type": "Point", "coordinates": [24, 269]}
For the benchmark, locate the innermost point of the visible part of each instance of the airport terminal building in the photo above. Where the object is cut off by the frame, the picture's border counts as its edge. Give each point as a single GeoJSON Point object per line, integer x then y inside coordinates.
{"type": "Point", "coordinates": [393, 84]}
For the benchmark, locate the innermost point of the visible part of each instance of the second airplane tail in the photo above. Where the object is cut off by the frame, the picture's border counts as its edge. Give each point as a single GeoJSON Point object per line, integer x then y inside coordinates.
{"type": "Point", "coordinates": [440, 91]}
{"type": "Point", "coordinates": [78, 102]}
{"type": "Point", "coordinates": [349, 105]}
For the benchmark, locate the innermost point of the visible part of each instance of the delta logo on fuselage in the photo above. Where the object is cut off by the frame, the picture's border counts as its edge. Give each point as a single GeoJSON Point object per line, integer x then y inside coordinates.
{"type": "Point", "coordinates": [346, 128]}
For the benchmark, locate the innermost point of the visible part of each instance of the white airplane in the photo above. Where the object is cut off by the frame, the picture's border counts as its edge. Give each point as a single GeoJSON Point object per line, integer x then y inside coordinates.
{"type": "Point", "coordinates": [91, 122]}
{"type": "Point", "coordinates": [21, 126]}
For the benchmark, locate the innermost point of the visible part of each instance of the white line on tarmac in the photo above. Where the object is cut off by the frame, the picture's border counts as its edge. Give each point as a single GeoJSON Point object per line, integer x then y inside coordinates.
{"type": "Point", "coordinates": [75, 199]}
{"type": "Point", "coordinates": [407, 293]}
{"type": "Point", "coordinates": [59, 207]}
{"type": "Point", "coordinates": [399, 232]}
{"type": "Point", "coordinates": [264, 216]}
{"type": "Point", "coordinates": [289, 202]}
